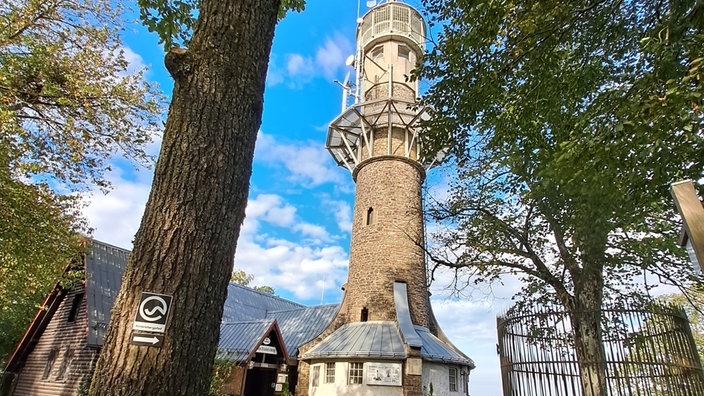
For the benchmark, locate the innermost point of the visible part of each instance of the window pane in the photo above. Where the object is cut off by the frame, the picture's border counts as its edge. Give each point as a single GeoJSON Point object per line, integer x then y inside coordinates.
{"type": "Point", "coordinates": [453, 379]}
{"type": "Point", "coordinates": [315, 376]}
{"type": "Point", "coordinates": [330, 373]}
{"type": "Point", "coordinates": [356, 373]}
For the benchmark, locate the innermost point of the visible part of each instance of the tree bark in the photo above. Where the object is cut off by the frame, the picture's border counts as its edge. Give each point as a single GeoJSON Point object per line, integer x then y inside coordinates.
{"type": "Point", "coordinates": [585, 316]}
{"type": "Point", "coordinates": [186, 241]}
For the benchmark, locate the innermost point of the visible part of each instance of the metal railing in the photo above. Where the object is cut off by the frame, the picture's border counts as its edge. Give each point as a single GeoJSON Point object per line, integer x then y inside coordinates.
{"type": "Point", "coordinates": [648, 352]}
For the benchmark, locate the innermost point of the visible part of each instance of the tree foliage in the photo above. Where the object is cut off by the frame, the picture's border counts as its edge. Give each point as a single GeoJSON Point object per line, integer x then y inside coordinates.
{"type": "Point", "coordinates": [567, 122]}
{"type": "Point", "coordinates": [242, 278]}
{"type": "Point", "coordinates": [68, 102]}
{"type": "Point", "coordinates": [173, 21]}
{"type": "Point", "coordinates": [38, 239]}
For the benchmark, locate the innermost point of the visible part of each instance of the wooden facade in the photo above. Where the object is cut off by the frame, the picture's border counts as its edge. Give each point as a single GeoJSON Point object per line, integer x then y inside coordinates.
{"type": "Point", "coordinates": [61, 360]}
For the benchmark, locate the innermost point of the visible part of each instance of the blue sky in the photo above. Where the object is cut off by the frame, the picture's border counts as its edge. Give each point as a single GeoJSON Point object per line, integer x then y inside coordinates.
{"type": "Point", "coordinates": [297, 231]}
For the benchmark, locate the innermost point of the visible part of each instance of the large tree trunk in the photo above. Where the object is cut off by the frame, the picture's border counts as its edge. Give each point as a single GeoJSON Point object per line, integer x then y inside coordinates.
{"type": "Point", "coordinates": [186, 241]}
{"type": "Point", "coordinates": [585, 315]}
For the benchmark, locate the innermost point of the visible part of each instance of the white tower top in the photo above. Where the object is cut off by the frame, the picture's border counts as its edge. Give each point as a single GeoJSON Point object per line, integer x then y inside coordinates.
{"type": "Point", "coordinates": [385, 117]}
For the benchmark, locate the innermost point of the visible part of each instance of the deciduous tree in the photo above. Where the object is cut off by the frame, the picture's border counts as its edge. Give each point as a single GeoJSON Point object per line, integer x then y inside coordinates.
{"type": "Point", "coordinates": [68, 102]}
{"type": "Point", "coordinates": [185, 244]}
{"type": "Point", "coordinates": [568, 121]}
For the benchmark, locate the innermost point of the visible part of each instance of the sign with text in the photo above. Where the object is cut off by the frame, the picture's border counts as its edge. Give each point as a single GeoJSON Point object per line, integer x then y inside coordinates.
{"type": "Point", "coordinates": [383, 374]}
{"type": "Point", "coordinates": [152, 313]}
{"type": "Point", "coordinates": [267, 350]}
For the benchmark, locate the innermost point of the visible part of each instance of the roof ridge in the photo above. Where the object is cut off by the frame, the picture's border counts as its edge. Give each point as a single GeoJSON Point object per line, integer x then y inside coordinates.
{"type": "Point", "coordinates": [232, 322]}
{"type": "Point", "coordinates": [270, 295]}
{"type": "Point", "coordinates": [95, 241]}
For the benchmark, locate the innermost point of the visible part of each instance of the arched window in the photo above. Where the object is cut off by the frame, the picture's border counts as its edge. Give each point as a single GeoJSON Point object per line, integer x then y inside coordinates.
{"type": "Point", "coordinates": [370, 216]}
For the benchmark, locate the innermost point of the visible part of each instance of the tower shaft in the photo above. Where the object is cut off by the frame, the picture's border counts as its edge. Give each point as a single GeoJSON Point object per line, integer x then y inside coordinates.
{"type": "Point", "coordinates": [387, 241]}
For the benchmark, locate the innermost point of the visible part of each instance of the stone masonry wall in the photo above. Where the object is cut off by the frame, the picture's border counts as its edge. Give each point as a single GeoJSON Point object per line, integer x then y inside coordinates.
{"type": "Point", "coordinates": [390, 248]}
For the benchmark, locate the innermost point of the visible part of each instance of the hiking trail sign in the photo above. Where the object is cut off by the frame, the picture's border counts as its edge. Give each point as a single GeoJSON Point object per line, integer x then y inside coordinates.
{"type": "Point", "coordinates": [152, 313]}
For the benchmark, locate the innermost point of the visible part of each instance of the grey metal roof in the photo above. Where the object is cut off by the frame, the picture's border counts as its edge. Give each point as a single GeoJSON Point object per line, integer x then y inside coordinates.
{"type": "Point", "coordinates": [238, 340]}
{"type": "Point", "coordinates": [299, 326]}
{"type": "Point", "coordinates": [378, 340]}
{"type": "Point", "coordinates": [243, 304]}
{"type": "Point", "coordinates": [435, 350]}
{"type": "Point", "coordinates": [105, 265]}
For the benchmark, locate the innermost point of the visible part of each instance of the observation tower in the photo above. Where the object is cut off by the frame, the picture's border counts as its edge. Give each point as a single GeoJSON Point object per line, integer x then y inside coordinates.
{"type": "Point", "coordinates": [385, 339]}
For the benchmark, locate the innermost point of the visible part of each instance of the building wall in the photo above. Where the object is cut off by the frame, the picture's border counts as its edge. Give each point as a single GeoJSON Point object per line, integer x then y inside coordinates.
{"type": "Point", "coordinates": [66, 341]}
{"type": "Point", "coordinates": [340, 387]}
{"type": "Point", "coordinates": [438, 375]}
{"type": "Point", "coordinates": [233, 384]}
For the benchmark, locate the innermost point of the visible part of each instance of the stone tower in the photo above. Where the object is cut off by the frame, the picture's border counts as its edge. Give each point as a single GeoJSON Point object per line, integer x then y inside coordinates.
{"type": "Point", "coordinates": [384, 336]}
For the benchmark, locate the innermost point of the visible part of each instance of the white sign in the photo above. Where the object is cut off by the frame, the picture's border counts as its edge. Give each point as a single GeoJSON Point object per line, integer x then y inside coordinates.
{"type": "Point", "coordinates": [153, 312]}
{"type": "Point", "coordinates": [383, 373]}
{"type": "Point", "coordinates": [268, 350]}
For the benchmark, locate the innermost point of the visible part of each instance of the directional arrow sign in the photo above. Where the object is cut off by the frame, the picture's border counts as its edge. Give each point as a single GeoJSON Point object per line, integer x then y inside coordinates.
{"type": "Point", "coordinates": [144, 339]}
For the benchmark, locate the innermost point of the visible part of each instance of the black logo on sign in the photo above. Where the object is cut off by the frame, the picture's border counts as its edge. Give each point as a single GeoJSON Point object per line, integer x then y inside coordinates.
{"type": "Point", "coordinates": [153, 312]}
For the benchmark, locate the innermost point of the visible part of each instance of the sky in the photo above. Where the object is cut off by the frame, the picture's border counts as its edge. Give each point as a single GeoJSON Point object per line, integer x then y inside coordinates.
{"type": "Point", "coordinates": [296, 234]}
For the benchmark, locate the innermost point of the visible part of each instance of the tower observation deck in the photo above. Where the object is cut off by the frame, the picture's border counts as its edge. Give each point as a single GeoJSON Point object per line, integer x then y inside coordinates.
{"type": "Point", "coordinates": [385, 117]}
{"type": "Point", "coordinates": [384, 338]}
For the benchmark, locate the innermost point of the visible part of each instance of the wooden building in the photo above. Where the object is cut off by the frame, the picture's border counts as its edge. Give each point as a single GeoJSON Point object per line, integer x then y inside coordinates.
{"type": "Point", "coordinates": [259, 336]}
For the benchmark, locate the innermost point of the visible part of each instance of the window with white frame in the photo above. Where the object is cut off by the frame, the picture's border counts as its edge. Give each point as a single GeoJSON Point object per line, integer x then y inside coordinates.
{"type": "Point", "coordinates": [315, 376]}
{"type": "Point", "coordinates": [356, 373]}
{"type": "Point", "coordinates": [452, 379]}
{"type": "Point", "coordinates": [330, 372]}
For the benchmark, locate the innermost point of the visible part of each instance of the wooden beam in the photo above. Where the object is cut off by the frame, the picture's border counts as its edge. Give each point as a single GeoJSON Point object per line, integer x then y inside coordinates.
{"type": "Point", "coordinates": [692, 212]}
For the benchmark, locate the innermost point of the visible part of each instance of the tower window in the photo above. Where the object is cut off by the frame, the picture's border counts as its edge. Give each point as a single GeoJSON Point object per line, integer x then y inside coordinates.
{"type": "Point", "coordinates": [365, 315]}
{"type": "Point", "coordinates": [356, 373]}
{"type": "Point", "coordinates": [377, 52]}
{"type": "Point", "coordinates": [404, 52]}
{"type": "Point", "coordinates": [370, 216]}
{"type": "Point", "coordinates": [452, 379]}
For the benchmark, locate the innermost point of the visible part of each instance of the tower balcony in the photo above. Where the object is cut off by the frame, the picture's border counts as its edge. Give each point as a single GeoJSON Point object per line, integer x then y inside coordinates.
{"type": "Point", "coordinates": [384, 127]}
{"type": "Point", "coordinates": [393, 20]}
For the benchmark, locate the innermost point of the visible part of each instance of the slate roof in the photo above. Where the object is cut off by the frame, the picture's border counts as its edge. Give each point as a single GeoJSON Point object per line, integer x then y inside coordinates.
{"type": "Point", "coordinates": [299, 326]}
{"type": "Point", "coordinates": [239, 339]}
{"type": "Point", "coordinates": [434, 349]}
{"type": "Point", "coordinates": [105, 265]}
{"type": "Point", "coordinates": [244, 303]}
{"type": "Point", "coordinates": [376, 340]}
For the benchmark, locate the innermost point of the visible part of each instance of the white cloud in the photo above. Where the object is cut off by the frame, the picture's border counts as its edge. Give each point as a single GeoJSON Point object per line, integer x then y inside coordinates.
{"type": "Point", "coordinates": [313, 231]}
{"type": "Point", "coordinates": [297, 65]}
{"type": "Point", "coordinates": [305, 271]}
{"type": "Point", "coordinates": [342, 211]}
{"type": "Point", "coordinates": [308, 163]}
{"type": "Point", "coordinates": [469, 321]}
{"type": "Point", "coordinates": [115, 217]}
{"type": "Point", "coordinates": [331, 56]}
{"type": "Point", "coordinates": [271, 209]}
{"type": "Point", "coordinates": [299, 69]}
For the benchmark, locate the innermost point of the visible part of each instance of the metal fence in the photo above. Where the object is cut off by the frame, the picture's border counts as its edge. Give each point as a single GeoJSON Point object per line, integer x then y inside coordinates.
{"type": "Point", "coordinates": [648, 353]}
